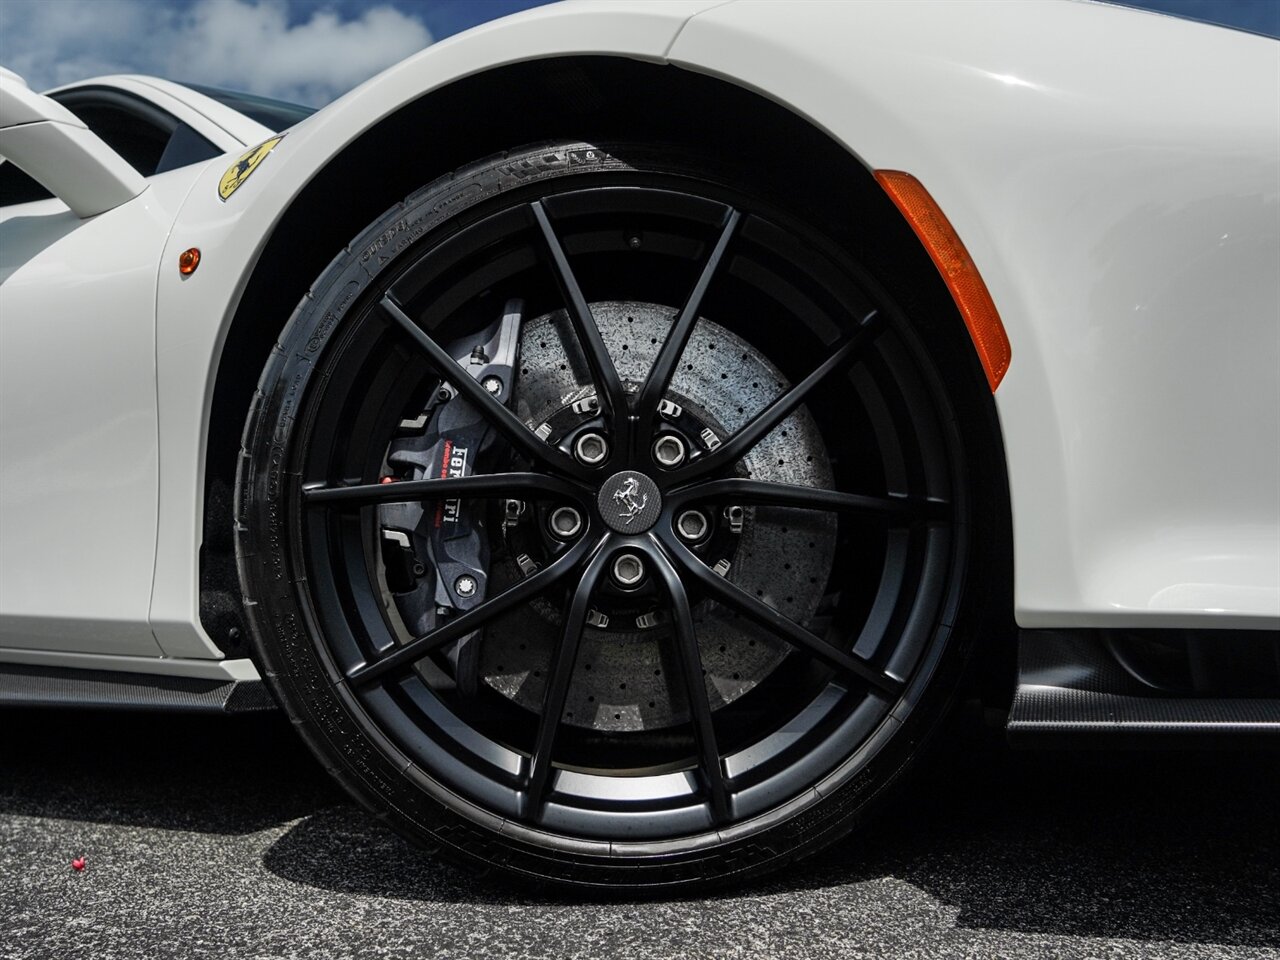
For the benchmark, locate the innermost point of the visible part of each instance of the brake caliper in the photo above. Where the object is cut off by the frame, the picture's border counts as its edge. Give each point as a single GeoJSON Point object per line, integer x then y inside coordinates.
{"type": "Point", "coordinates": [436, 554]}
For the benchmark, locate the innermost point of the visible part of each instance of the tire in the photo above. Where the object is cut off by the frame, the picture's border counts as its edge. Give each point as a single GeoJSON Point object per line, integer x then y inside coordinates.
{"type": "Point", "coordinates": [820, 684]}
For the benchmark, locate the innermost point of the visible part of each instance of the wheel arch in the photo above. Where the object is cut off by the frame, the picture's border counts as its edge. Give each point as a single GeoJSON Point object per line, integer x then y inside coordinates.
{"type": "Point", "coordinates": [590, 97]}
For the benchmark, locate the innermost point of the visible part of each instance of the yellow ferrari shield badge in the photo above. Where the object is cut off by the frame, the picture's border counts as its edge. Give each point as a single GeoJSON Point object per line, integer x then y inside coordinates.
{"type": "Point", "coordinates": [239, 171]}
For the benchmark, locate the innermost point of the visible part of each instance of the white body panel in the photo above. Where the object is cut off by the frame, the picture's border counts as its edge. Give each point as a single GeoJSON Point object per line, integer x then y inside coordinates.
{"type": "Point", "coordinates": [79, 464]}
{"type": "Point", "coordinates": [1121, 208]}
{"type": "Point", "coordinates": [204, 668]}
{"type": "Point", "coordinates": [79, 471]}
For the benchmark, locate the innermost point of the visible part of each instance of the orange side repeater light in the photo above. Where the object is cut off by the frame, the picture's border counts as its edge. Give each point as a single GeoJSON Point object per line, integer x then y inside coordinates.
{"type": "Point", "coordinates": [957, 268]}
{"type": "Point", "coordinates": [188, 260]}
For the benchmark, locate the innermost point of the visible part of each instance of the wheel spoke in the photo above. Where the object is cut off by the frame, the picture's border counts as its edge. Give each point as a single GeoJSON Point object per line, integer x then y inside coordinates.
{"type": "Point", "coordinates": [506, 422]}
{"type": "Point", "coordinates": [756, 429]}
{"type": "Point", "coordinates": [773, 621]}
{"type": "Point", "coordinates": [558, 680]}
{"type": "Point", "coordinates": [473, 619]}
{"type": "Point", "coordinates": [891, 509]}
{"type": "Point", "coordinates": [603, 373]}
{"type": "Point", "coordinates": [659, 378]}
{"type": "Point", "coordinates": [695, 688]}
{"type": "Point", "coordinates": [479, 486]}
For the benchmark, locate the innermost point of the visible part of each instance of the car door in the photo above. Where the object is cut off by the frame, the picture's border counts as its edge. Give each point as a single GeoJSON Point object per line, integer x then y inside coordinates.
{"type": "Point", "coordinates": [78, 421]}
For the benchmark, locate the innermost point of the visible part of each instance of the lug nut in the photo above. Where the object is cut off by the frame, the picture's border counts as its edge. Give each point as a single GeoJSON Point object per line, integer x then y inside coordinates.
{"type": "Point", "coordinates": [628, 570]}
{"type": "Point", "coordinates": [591, 449]}
{"type": "Point", "coordinates": [566, 522]}
{"type": "Point", "coordinates": [668, 450]}
{"type": "Point", "coordinates": [692, 525]}
{"type": "Point", "coordinates": [465, 586]}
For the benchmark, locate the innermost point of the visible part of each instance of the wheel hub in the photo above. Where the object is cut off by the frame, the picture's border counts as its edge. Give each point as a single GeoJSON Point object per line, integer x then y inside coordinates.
{"type": "Point", "coordinates": [629, 502]}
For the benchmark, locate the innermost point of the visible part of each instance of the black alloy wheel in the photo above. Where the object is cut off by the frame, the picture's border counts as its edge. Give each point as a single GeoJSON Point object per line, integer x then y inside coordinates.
{"type": "Point", "coordinates": [601, 521]}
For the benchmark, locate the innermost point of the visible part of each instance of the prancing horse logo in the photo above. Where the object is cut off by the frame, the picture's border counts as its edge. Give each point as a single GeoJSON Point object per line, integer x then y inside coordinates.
{"type": "Point", "coordinates": [626, 495]}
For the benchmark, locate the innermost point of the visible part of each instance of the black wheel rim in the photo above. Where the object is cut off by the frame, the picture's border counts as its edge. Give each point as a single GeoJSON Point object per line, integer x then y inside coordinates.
{"type": "Point", "coordinates": [853, 666]}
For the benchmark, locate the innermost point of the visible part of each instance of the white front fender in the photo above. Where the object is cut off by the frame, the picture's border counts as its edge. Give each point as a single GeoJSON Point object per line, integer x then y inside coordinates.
{"type": "Point", "coordinates": [1121, 208]}
{"type": "Point", "coordinates": [195, 313]}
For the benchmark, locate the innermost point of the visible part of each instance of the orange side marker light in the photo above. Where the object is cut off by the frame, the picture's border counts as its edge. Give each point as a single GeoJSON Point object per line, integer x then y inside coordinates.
{"type": "Point", "coordinates": [188, 260]}
{"type": "Point", "coordinates": [957, 268]}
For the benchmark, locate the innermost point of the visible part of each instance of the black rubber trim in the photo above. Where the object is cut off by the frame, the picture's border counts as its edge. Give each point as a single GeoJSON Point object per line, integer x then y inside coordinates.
{"type": "Point", "coordinates": [23, 685]}
{"type": "Point", "coordinates": [124, 100]}
{"type": "Point", "coordinates": [1072, 692]}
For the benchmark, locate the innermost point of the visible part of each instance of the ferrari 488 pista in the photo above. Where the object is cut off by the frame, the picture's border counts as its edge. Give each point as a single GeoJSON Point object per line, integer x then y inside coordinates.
{"type": "Point", "coordinates": [617, 434]}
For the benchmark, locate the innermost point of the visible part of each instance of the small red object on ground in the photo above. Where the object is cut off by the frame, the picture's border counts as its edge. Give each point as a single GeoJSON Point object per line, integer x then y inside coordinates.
{"type": "Point", "coordinates": [77, 864]}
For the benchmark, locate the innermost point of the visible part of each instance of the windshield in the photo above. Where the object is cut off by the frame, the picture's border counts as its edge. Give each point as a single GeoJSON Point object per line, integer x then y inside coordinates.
{"type": "Point", "coordinates": [274, 114]}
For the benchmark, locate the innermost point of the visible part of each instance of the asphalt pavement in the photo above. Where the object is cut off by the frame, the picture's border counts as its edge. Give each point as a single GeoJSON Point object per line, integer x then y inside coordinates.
{"type": "Point", "coordinates": [219, 837]}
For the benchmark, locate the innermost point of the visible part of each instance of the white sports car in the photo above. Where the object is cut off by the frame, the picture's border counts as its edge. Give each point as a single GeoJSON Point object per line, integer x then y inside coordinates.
{"type": "Point", "coordinates": [616, 434]}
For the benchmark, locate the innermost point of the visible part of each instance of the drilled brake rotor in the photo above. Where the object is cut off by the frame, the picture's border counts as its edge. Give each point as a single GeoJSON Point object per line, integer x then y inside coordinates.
{"type": "Point", "coordinates": [781, 555]}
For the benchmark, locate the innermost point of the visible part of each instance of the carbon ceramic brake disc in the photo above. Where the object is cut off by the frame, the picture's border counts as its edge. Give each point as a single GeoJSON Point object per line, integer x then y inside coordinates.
{"type": "Point", "coordinates": [781, 555]}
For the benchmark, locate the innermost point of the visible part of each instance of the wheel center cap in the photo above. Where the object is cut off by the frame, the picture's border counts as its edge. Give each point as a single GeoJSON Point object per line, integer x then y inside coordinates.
{"type": "Point", "coordinates": [629, 502]}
